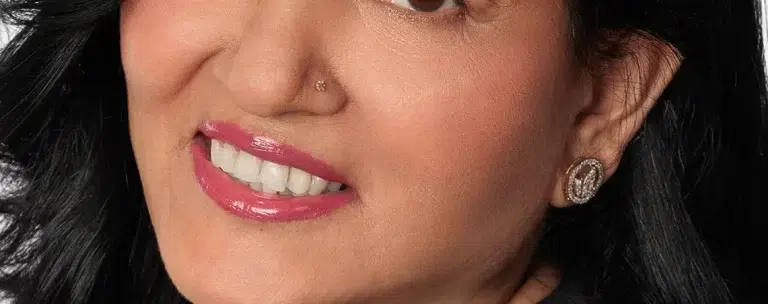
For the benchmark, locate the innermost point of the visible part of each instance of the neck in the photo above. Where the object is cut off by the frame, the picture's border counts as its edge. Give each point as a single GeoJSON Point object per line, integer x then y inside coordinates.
{"type": "Point", "coordinates": [539, 285]}
{"type": "Point", "coordinates": [517, 284]}
{"type": "Point", "coordinates": [523, 281]}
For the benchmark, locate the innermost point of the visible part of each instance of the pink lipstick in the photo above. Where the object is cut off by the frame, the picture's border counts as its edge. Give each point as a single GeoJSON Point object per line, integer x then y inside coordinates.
{"type": "Point", "coordinates": [240, 200]}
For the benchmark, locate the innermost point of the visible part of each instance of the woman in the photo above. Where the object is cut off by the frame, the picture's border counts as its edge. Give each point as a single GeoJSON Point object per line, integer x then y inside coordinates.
{"type": "Point", "coordinates": [376, 151]}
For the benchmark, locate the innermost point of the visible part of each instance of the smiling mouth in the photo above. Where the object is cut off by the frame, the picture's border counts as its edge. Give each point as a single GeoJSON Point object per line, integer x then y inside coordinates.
{"type": "Point", "coordinates": [256, 177]}
{"type": "Point", "coordinates": [267, 176]}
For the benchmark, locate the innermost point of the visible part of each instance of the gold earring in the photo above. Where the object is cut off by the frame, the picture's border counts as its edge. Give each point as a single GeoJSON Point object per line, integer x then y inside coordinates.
{"type": "Point", "coordinates": [583, 179]}
{"type": "Point", "coordinates": [320, 86]}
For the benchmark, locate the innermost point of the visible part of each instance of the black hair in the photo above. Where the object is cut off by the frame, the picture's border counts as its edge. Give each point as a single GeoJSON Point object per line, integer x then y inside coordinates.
{"type": "Point", "coordinates": [679, 222]}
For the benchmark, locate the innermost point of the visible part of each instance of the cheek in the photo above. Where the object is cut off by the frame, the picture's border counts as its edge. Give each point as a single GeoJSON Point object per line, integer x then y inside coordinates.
{"type": "Point", "coordinates": [465, 144]}
{"type": "Point", "coordinates": [163, 43]}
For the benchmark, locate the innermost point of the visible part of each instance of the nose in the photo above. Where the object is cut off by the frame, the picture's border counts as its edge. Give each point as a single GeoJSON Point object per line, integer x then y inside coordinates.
{"type": "Point", "coordinates": [277, 63]}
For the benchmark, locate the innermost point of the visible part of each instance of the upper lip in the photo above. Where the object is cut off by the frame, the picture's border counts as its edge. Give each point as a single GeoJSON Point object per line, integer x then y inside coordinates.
{"type": "Point", "coordinates": [269, 149]}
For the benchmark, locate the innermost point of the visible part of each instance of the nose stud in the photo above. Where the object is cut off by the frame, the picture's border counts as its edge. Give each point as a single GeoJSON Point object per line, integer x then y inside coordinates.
{"type": "Point", "coordinates": [320, 86]}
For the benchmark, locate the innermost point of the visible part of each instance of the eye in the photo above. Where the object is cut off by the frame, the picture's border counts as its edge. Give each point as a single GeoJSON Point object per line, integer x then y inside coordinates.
{"type": "Point", "coordinates": [429, 6]}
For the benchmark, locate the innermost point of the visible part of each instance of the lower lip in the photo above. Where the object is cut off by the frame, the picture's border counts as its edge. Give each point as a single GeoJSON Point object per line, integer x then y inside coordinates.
{"type": "Point", "coordinates": [242, 201]}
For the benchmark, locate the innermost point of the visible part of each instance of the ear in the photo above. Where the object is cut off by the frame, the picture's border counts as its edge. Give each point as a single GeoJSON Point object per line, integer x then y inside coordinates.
{"type": "Point", "coordinates": [620, 95]}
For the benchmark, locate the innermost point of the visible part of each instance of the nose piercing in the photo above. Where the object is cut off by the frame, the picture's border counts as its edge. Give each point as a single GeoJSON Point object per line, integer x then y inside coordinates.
{"type": "Point", "coordinates": [320, 85]}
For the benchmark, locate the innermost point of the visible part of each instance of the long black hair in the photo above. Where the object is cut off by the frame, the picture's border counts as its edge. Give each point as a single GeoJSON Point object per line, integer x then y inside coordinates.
{"type": "Point", "coordinates": [678, 223]}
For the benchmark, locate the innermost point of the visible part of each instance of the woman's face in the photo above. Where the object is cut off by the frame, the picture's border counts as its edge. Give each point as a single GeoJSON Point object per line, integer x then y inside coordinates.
{"type": "Point", "coordinates": [448, 126]}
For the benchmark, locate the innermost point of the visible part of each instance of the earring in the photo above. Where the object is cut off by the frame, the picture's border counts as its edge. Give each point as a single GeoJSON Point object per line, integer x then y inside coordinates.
{"type": "Point", "coordinates": [320, 85]}
{"type": "Point", "coordinates": [583, 179]}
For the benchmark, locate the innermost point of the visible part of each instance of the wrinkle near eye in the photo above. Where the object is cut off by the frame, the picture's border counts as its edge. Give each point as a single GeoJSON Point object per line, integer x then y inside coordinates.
{"type": "Point", "coordinates": [399, 30]}
{"type": "Point", "coordinates": [483, 11]}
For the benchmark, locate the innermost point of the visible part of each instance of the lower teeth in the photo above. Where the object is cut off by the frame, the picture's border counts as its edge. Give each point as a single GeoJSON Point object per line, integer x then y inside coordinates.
{"type": "Point", "coordinates": [287, 192]}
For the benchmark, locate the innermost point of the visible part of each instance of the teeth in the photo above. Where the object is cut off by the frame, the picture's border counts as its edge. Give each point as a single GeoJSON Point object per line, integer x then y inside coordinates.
{"type": "Point", "coordinates": [274, 176]}
{"type": "Point", "coordinates": [247, 167]}
{"type": "Point", "coordinates": [223, 155]}
{"type": "Point", "coordinates": [317, 185]}
{"type": "Point", "coordinates": [298, 181]}
{"type": "Point", "coordinates": [266, 176]}
{"type": "Point", "coordinates": [334, 186]}
{"type": "Point", "coordinates": [268, 190]}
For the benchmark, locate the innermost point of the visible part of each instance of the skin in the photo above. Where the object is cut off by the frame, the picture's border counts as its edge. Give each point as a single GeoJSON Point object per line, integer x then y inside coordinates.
{"type": "Point", "coordinates": [455, 130]}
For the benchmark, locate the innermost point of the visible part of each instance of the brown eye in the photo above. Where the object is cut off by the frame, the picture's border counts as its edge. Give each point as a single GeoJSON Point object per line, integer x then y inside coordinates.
{"type": "Point", "coordinates": [428, 6]}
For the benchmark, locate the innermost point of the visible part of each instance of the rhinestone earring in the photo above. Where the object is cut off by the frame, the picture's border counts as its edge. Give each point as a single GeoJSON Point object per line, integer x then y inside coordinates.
{"type": "Point", "coordinates": [583, 179]}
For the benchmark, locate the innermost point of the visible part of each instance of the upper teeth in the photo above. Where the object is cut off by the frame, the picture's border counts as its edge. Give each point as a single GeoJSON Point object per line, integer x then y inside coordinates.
{"type": "Point", "coordinates": [266, 176]}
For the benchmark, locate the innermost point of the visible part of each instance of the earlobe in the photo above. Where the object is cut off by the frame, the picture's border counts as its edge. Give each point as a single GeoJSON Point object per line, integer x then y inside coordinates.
{"type": "Point", "coordinates": [623, 92]}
